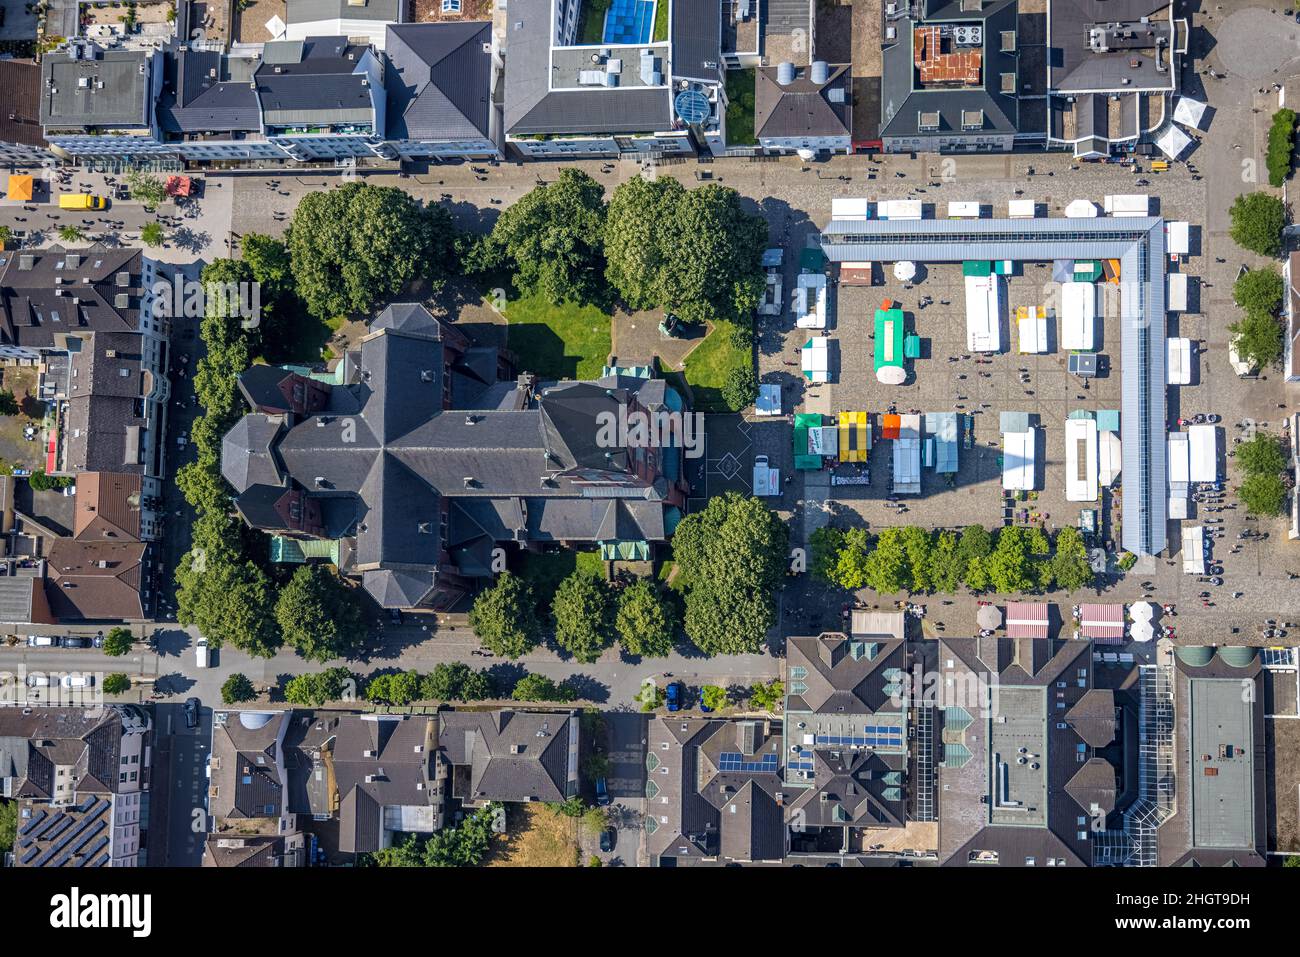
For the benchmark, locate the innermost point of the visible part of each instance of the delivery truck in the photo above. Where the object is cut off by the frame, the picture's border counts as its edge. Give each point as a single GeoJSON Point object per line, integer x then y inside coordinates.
{"type": "Point", "coordinates": [82, 201]}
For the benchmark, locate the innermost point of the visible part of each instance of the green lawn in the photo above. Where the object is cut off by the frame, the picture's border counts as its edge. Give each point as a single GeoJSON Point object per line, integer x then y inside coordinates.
{"type": "Point", "coordinates": [661, 22]}
{"type": "Point", "coordinates": [707, 367]}
{"type": "Point", "coordinates": [568, 341]}
{"type": "Point", "coordinates": [740, 107]}
{"type": "Point", "coordinates": [591, 29]}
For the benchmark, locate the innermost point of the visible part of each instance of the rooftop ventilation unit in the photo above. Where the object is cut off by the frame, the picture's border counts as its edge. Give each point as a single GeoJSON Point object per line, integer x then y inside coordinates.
{"type": "Point", "coordinates": [821, 72]}
{"type": "Point", "coordinates": [968, 36]}
{"type": "Point", "coordinates": [785, 73]}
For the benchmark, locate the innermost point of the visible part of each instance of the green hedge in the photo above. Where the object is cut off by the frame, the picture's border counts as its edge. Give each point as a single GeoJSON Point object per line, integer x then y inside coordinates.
{"type": "Point", "coordinates": [1281, 143]}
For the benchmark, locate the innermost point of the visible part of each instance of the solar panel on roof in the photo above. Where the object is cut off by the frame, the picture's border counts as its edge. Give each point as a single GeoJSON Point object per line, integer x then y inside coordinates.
{"type": "Point", "coordinates": [99, 861]}
{"type": "Point", "coordinates": [735, 761]}
{"type": "Point", "coordinates": [30, 854]}
{"type": "Point", "coordinates": [93, 850]}
{"type": "Point", "coordinates": [32, 822]}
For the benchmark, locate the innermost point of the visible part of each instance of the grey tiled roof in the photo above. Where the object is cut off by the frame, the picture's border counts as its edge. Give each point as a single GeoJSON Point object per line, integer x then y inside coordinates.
{"type": "Point", "coordinates": [31, 312]}
{"type": "Point", "coordinates": [203, 94]}
{"type": "Point", "coordinates": [509, 755]}
{"type": "Point", "coordinates": [802, 108]}
{"type": "Point", "coordinates": [247, 452]}
{"type": "Point", "coordinates": [321, 87]}
{"type": "Point", "coordinates": [439, 82]}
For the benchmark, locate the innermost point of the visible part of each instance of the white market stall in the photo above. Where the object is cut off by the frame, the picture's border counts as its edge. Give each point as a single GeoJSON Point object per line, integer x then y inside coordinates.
{"type": "Point", "coordinates": [769, 399]}
{"type": "Point", "coordinates": [1081, 460]}
{"type": "Point", "coordinates": [1031, 329]}
{"type": "Point", "coordinates": [1178, 238]}
{"type": "Point", "coordinates": [767, 480]}
{"type": "Point", "coordinates": [1178, 360]}
{"type": "Point", "coordinates": [809, 301]}
{"type": "Point", "coordinates": [1018, 460]}
{"type": "Point", "coordinates": [1021, 209]}
{"type": "Point", "coordinates": [899, 209]}
{"type": "Point", "coordinates": [1128, 204]}
{"type": "Point", "coordinates": [1078, 316]}
{"type": "Point", "coordinates": [1081, 209]}
{"type": "Point", "coordinates": [983, 313]}
{"type": "Point", "coordinates": [963, 210]}
{"type": "Point", "coordinates": [907, 456]}
{"type": "Point", "coordinates": [1189, 112]}
{"type": "Point", "coordinates": [1204, 442]}
{"type": "Point", "coordinates": [1194, 549]}
{"type": "Point", "coordinates": [850, 209]}
{"type": "Point", "coordinates": [1173, 142]}
{"type": "Point", "coordinates": [1176, 301]}
{"type": "Point", "coordinates": [1108, 457]}
{"type": "Point", "coordinates": [816, 359]}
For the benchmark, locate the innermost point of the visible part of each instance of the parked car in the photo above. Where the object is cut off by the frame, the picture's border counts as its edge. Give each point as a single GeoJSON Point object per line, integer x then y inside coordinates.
{"type": "Point", "coordinates": [78, 681]}
{"type": "Point", "coordinates": [41, 641]}
{"type": "Point", "coordinates": [191, 712]}
{"type": "Point", "coordinates": [201, 653]}
{"type": "Point", "coordinates": [673, 696]}
{"type": "Point", "coordinates": [38, 681]}
{"type": "Point", "coordinates": [608, 838]}
{"type": "Point", "coordinates": [99, 641]}
{"type": "Point", "coordinates": [74, 641]}
{"type": "Point", "coordinates": [602, 792]}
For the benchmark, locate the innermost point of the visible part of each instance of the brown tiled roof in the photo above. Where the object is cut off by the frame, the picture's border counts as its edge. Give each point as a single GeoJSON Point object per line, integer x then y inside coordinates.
{"type": "Point", "coordinates": [20, 102]}
{"type": "Point", "coordinates": [96, 580]}
{"type": "Point", "coordinates": [108, 507]}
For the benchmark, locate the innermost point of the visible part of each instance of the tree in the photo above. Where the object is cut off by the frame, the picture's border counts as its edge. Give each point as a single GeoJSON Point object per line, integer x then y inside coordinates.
{"type": "Point", "coordinates": [973, 551]}
{"type": "Point", "coordinates": [696, 252]}
{"type": "Point", "coordinates": [8, 403]}
{"type": "Point", "coordinates": [917, 545]}
{"type": "Point", "coordinates": [118, 642]}
{"type": "Point", "coordinates": [732, 556]}
{"type": "Point", "coordinates": [766, 697]}
{"type": "Point", "coordinates": [1264, 453]}
{"type": "Point", "coordinates": [226, 599]}
{"type": "Point", "coordinates": [463, 845]}
{"type": "Point", "coordinates": [851, 564]}
{"type": "Point", "coordinates": [8, 824]}
{"type": "Point", "coordinates": [826, 543]}
{"type": "Point", "coordinates": [153, 234]}
{"type": "Point", "coordinates": [945, 568]}
{"type": "Point", "coordinates": [741, 387]}
{"type": "Point", "coordinates": [72, 234]}
{"type": "Point", "coordinates": [1263, 494]}
{"type": "Point", "coordinates": [887, 567]}
{"type": "Point", "coordinates": [315, 689]}
{"type": "Point", "coordinates": [318, 616]}
{"type": "Point", "coordinates": [714, 698]}
{"type": "Point", "coordinates": [1010, 567]}
{"type": "Point", "coordinates": [1257, 222]}
{"type": "Point", "coordinates": [237, 688]}
{"type": "Point", "coordinates": [116, 683]}
{"type": "Point", "coordinates": [504, 617]}
{"type": "Point", "coordinates": [581, 611]}
{"type": "Point", "coordinates": [396, 688]}
{"type": "Point", "coordinates": [1281, 141]}
{"type": "Point", "coordinates": [1258, 290]}
{"type": "Point", "coordinates": [534, 687]}
{"type": "Point", "coordinates": [6, 234]}
{"type": "Point", "coordinates": [357, 245]}
{"type": "Point", "coordinates": [553, 239]}
{"type": "Point", "coordinates": [1070, 569]}
{"type": "Point", "coordinates": [40, 482]}
{"type": "Point", "coordinates": [145, 188]}
{"type": "Point", "coordinates": [455, 682]}
{"type": "Point", "coordinates": [646, 621]}
{"type": "Point", "coordinates": [1258, 338]}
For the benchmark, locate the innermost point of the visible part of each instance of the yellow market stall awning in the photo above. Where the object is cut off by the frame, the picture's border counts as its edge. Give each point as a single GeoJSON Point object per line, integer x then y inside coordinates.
{"type": "Point", "coordinates": [21, 187]}
{"type": "Point", "coordinates": [855, 437]}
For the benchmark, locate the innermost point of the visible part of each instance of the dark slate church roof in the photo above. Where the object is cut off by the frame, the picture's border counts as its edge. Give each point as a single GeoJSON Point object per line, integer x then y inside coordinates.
{"type": "Point", "coordinates": [439, 82]}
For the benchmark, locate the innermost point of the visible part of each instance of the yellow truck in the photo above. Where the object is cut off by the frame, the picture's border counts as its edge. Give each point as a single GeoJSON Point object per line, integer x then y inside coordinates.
{"type": "Point", "coordinates": [82, 201]}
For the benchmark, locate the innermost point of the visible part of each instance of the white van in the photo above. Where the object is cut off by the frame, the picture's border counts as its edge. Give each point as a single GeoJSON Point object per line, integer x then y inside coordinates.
{"type": "Point", "coordinates": [40, 641]}
{"type": "Point", "coordinates": [201, 652]}
{"type": "Point", "coordinates": [38, 681]}
{"type": "Point", "coordinates": [78, 681]}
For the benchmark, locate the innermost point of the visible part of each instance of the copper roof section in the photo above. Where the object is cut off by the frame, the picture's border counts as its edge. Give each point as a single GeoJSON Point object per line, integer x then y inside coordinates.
{"type": "Point", "coordinates": [935, 66]}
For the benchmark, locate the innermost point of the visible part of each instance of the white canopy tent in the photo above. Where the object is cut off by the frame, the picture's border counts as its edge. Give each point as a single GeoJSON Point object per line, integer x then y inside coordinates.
{"type": "Point", "coordinates": [1081, 460]}
{"type": "Point", "coordinates": [1179, 364]}
{"type": "Point", "coordinates": [1021, 209]}
{"type": "Point", "coordinates": [1032, 334]}
{"type": "Point", "coordinates": [1081, 209]}
{"type": "Point", "coordinates": [983, 313]}
{"type": "Point", "coordinates": [1173, 142]}
{"type": "Point", "coordinates": [1078, 316]}
{"type": "Point", "coordinates": [1189, 112]}
{"type": "Point", "coordinates": [907, 456]}
{"type": "Point", "coordinates": [1018, 460]}
{"type": "Point", "coordinates": [1178, 238]}
{"type": "Point", "coordinates": [1194, 549]}
{"type": "Point", "coordinates": [1176, 301]}
{"type": "Point", "coordinates": [809, 301]}
{"type": "Point", "coordinates": [816, 359]}
{"type": "Point", "coordinates": [963, 210]}
{"type": "Point", "coordinates": [1108, 457]}
{"type": "Point", "coordinates": [1204, 442]}
{"type": "Point", "coordinates": [769, 399]}
{"type": "Point", "coordinates": [849, 209]}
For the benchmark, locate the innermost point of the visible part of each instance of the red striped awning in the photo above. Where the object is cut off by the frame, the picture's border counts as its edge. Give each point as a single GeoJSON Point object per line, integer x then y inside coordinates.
{"type": "Point", "coordinates": [1027, 619]}
{"type": "Point", "coordinates": [1102, 622]}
